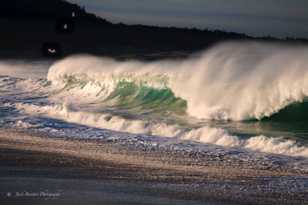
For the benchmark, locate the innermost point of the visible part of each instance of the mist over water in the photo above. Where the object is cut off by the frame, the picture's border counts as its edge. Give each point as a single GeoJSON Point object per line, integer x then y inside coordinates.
{"type": "Point", "coordinates": [25, 68]}
{"type": "Point", "coordinates": [232, 82]}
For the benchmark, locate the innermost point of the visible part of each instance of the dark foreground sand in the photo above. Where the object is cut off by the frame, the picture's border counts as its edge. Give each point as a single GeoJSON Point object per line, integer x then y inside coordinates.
{"type": "Point", "coordinates": [40, 170]}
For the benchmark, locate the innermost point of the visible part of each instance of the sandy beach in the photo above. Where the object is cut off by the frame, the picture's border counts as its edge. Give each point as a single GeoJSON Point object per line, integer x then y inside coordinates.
{"type": "Point", "coordinates": [70, 171]}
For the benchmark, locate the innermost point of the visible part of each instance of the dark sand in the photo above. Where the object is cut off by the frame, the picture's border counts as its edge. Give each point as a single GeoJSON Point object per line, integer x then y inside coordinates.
{"type": "Point", "coordinates": [40, 170]}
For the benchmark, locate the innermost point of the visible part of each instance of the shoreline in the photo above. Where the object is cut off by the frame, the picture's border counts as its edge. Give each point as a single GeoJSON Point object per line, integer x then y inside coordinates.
{"type": "Point", "coordinates": [179, 178]}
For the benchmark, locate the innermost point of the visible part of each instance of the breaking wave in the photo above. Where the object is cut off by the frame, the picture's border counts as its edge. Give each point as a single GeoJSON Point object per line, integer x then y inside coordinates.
{"type": "Point", "coordinates": [229, 82]}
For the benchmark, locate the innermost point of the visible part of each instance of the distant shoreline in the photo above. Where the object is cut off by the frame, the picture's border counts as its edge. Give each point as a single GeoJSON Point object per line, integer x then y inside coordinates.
{"type": "Point", "coordinates": [26, 33]}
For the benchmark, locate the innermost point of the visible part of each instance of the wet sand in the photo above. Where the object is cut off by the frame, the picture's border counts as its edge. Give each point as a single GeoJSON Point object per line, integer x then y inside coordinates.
{"type": "Point", "coordinates": [43, 170]}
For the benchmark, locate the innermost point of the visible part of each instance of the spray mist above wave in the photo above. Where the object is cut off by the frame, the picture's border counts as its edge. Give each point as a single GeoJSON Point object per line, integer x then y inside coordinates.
{"type": "Point", "coordinates": [24, 68]}
{"type": "Point", "coordinates": [232, 81]}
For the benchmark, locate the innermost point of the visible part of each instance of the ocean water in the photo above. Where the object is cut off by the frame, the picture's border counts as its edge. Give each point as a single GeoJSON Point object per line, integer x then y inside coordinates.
{"type": "Point", "coordinates": [246, 96]}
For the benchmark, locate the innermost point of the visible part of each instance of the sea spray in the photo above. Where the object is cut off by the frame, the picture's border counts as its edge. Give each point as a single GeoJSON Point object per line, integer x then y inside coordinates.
{"type": "Point", "coordinates": [25, 68]}
{"type": "Point", "coordinates": [232, 81]}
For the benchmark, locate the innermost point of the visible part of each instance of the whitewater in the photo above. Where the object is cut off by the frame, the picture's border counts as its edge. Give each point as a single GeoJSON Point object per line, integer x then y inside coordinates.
{"type": "Point", "coordinates": [234, 95]}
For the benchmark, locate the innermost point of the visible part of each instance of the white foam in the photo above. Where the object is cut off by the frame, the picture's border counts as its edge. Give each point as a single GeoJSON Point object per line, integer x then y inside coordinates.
{"type": "Point", "coordinates": [209, 135]}
{"type": "Point", "coordinates": [100, 120]}
{"type": "Point", "coordinates": [24, 125]}
{"type": "Point", "coordinates": [277, 145]}
{"type": "Point", "coordinates": [232, 81]}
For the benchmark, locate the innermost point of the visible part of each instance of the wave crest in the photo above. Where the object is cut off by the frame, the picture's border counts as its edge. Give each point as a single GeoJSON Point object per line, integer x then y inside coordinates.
{"type": "Point", "coordinates": [229, 82]}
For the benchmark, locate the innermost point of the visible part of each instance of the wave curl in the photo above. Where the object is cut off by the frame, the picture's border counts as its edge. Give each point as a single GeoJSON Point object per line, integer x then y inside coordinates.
{"type": "Point", "coordinates": [231, 81]}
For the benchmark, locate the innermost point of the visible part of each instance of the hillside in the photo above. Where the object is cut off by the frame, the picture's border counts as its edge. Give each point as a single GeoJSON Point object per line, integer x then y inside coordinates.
{"type": "Point", "coordinates": [29, 24]}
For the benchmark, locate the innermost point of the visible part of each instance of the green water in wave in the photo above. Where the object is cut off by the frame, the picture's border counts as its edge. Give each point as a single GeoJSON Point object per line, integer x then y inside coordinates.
{"type": "Point", "coordinates": [161, 103]}
{"type": "Point", "coordinates": [296, 112]}
{"type": "Point", "coordinates": [132, 96]}
{"type": "Point", "coordinates": [291, 121]}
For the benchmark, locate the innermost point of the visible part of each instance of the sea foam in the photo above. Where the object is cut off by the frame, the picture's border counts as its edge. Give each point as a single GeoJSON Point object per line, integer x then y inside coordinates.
{"type": "Point", "coordinates": [205, 134]}
{"type": "Point", "coordinates": [232, 81]}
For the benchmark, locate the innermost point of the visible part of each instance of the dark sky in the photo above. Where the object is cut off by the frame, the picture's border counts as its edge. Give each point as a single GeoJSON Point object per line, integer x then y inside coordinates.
{"type": "Point", "coordinates": [279, 18]}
